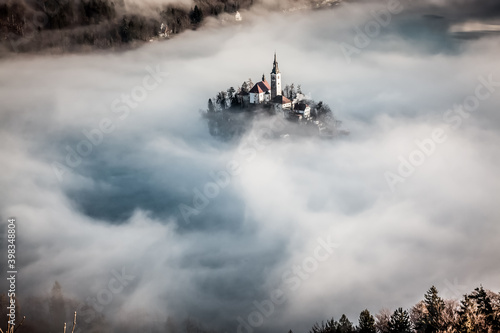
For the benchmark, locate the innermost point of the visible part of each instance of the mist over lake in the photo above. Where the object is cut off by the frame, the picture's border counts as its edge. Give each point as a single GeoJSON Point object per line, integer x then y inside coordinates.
{"type": "Point", "coordinates": [316, 227]}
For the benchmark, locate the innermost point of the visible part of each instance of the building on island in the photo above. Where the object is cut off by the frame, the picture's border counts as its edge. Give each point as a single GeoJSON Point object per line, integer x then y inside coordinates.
{"type": "Point", "coordinates": [271, 94]}
{"type": "Point", "coordinates": [302, 111]}
{"type": "Point", "coordinates": [281, 102]}
{"type": "Point", "coordinates": [260, 92]}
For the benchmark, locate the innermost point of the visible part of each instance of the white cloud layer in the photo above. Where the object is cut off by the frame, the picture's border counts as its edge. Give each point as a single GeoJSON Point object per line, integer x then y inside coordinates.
{"type": "Point", "coordinates": [119, 206]}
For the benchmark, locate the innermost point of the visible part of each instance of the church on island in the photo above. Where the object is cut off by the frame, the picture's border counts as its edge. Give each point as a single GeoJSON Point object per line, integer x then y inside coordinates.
{"type": "Point", "coordinates": [272, 95]}
{"type": "Point", "coordinates": [231, 110]}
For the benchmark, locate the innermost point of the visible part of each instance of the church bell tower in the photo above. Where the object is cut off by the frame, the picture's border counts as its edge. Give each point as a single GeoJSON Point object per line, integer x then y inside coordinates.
{"type": "Point", "coordinates": [275, 79]}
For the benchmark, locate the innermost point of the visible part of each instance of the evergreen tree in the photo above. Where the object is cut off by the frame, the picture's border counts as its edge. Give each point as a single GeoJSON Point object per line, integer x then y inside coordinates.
{"type": "Point", "coordinates": [221, 100]}
{"type": "Point", "coordinates": [230, 95]}
{"type": "Point", "coordinates": [432, 319]}
{"type": "Point", "coordinates": [211, 108]}
{"type": "Point", "coordinates": [292, 93]}
{"type": "Point", "coordinates": [196, 15]}
{"type": "Point", "coordinates": [366, 322]}
{"type": "Point", "coordinates": [345, 326]}
{"type": "Point", "coordinates": [400, 322]}
{"type": "Point", "coordinates": [125, 33]}
{"type": "Point", "coordinates": [490, 319]}
{"type": "Point", "coordinates": [244, 87]}
{"type": "Point", "coordinates": [466, 319]}
{"type": "Point", "coordinates": [318, 328]}
{"type": "Point", "coordinates": [323, 112]}
{"type": "Point", "coordinates": [286, 92]}
{"type": "Point", "coordinates": [331, 326]}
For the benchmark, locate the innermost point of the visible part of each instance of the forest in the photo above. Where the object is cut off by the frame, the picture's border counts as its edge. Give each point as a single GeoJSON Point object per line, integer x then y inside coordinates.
{"type": "Point", "coordinates": [476, 312]}
{"type": "Point", "coordinates": [74, 25]}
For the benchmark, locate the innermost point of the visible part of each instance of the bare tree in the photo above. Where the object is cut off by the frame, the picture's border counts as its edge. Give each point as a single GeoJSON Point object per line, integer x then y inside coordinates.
{"type": "Point", "coordinates": [382, 320]}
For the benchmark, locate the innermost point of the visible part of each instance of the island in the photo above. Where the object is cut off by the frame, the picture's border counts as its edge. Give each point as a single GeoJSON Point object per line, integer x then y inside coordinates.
{"type": "Point", "coordinates": [232, 112]}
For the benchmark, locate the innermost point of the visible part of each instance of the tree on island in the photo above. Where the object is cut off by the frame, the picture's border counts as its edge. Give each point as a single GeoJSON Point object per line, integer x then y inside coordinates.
{"type": "Point", "coordinates": [211, 107]}
{"type": "Point", "coordinates": [324, 113]}
{"type": "Point", "coordinates": [292, 93]}
{"type": "Point", "coordinates": [230, 93]}
{"type": "Point", "coordinates": [221, 100]}
{"type": "Point", "coordinates": [244, 87]}
{"type": "Point", "coordinates": [233, 98]}
{"type": "Point", "coordinates": [286, 91]}
{"type": "Point", "coordinates": [250, 84]}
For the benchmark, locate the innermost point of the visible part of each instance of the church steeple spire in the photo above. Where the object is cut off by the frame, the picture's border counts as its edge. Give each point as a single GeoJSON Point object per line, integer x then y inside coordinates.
{"type": "Point", "coordinates": [276, 70]}
{"type": "Point", "coordinates": [275, 79]}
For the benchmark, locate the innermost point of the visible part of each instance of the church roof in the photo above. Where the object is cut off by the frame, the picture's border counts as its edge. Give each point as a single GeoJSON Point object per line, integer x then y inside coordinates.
{"type": "Point", "coordinates": [260, 87]}
{"type": "Point", "coordinates": [280, 99]}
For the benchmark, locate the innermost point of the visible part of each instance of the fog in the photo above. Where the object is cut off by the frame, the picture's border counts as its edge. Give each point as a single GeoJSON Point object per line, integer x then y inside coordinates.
{"type": "Point", "coordinates": [118, 207]}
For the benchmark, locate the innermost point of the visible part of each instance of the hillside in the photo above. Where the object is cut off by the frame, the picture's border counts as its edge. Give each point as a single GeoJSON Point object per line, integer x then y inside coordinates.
{"type": "Point", "coordinates": [59, 26]}
{"type": "Point", "coordinates": [33, 26]}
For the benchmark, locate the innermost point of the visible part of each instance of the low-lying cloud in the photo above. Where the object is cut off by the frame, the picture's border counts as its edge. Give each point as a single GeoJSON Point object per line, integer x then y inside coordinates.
{"type": "Point", "coordinates": [119, 207]}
